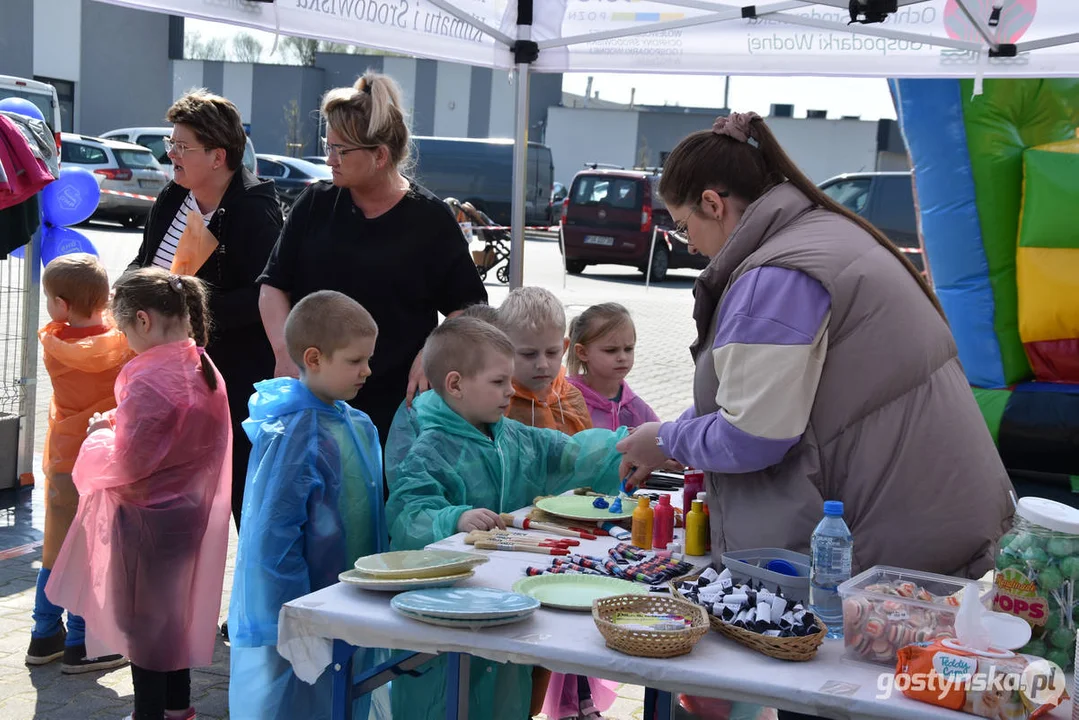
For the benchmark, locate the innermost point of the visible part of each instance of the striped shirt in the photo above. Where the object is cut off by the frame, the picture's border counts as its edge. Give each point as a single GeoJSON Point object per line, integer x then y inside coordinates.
{"type": "Point", "coordinates": [166, 251]}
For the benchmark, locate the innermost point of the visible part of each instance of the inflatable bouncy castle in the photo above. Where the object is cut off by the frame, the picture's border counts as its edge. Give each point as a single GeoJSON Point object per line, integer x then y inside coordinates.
{"type": "Point", "coordinates": [996, 175]}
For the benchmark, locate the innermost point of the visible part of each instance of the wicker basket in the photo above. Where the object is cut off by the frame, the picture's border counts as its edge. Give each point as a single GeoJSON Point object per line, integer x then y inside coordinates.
{"type": "Point", "coordinates": [795, 649]}
{"type": "Point", "coordinates": [649, 643]}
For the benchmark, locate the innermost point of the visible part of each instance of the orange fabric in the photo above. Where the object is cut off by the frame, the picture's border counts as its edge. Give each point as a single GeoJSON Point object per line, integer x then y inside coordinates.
{"type": "Point", "coordinates": [83, 373]}
{"type": "Point", "coordinates": [195, 246]}
{"type": "Point", "coordinates": [562, 407]}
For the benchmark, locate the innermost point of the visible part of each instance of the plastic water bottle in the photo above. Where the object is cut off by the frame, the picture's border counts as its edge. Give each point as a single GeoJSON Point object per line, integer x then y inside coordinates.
{"type": "Point", "coordinates": [832, 549]}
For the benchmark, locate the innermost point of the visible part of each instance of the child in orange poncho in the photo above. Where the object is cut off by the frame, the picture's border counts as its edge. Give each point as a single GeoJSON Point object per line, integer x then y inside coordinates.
{"type": "Point", "coordinates": [535, 322]}
{"type": "Point", "coordinates": [83, 354]}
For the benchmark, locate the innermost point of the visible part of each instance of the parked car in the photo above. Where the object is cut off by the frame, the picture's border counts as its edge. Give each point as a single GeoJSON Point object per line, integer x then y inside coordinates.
{"type": "Point", "coordinates": [481, 172]}
{"type": "Point", "coordinates": [291, 176]}
{"type": "Point", "coordinates": [154, 138]}
{"type": "Point", "coordinates": [118, 166]}
{"type": "Point", "coordinates": [885, 199]}
{"type": "Point", "coordinates": [610, 217]}
{"type": "Point", "coordinates": [41, 94]}
{"type": "Point", "coordinates": [559, 192]}
{"type": "Point", "coordinates": [316, 159]}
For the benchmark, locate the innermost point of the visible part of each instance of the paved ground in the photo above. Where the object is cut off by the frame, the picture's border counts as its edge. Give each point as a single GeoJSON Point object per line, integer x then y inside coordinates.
{"type": "Point", "coordinates": [662, 376]}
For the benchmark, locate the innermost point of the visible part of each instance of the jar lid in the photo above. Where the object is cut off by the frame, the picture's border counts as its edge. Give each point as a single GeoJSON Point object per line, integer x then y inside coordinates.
{"type": "Point", "coordinates": [1049, 514]}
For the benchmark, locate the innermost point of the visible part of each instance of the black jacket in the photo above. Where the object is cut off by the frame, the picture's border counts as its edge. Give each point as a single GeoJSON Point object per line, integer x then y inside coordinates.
{"type": "Point", "coordinates": [246, 225]}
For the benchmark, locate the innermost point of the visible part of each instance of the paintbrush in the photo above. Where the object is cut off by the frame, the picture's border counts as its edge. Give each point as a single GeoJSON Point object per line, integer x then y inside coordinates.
{"type": "Point", "coordinates": [527, 524]}
{"type": "Point", "coordinates": [518, 547]}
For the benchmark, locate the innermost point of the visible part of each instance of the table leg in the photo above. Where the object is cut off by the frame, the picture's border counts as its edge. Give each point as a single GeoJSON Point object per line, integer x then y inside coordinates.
{"type": "Point", "coordinates": [658, 705]}
{"type": "Point", "coordinates": [457, 682]}
{"type": "Point", "coordinates": [342, 680]}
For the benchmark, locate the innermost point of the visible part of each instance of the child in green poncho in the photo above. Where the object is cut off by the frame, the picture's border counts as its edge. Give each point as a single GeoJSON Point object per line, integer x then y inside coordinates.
{"type": "Point", "coordinates": [465, 463]}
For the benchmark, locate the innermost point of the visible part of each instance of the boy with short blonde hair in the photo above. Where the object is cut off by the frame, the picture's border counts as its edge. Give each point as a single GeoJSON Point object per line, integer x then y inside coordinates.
{"type": "Point", "coordinates": [312, 502]}
{"type": "Point", "coordinates": [535, 322]}
{"type": "Point", "coordinates": [83, 353]}
{"type": "Point", "coordinates": [465, 464]}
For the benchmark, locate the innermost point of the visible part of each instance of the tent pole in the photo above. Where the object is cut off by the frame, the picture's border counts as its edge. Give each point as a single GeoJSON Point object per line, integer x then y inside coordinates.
{"type": "Point", "coordinates": [525, 52]}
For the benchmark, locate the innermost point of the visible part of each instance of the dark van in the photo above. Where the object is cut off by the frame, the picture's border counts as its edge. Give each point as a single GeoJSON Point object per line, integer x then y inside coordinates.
{"type": "Point", "coordinates": [610, 217]}
{"type": "Point", "coordinates": [885, 199]}
{"type": "Point", "coordinates": [481, 172]}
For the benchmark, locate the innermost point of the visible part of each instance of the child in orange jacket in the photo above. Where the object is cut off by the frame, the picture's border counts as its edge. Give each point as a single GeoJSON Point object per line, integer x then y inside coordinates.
{"type": "Point", "coordinates": [535, 321]}
{"type": "Point", "coordinates": [83, 352]}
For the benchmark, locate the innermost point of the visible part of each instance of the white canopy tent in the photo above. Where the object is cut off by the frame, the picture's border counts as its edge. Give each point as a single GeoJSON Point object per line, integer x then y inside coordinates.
{"type": "Point", "coordinates": [917, 38]}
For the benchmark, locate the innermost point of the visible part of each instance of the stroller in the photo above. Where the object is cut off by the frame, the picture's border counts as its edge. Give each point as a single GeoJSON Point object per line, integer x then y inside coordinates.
{"type": "Point", "coordinates": [496, 243]}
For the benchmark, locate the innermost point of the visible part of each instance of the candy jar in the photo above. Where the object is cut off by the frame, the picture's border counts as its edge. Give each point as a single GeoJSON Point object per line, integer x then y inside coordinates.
{"type": "Point", "coordinates": [1036, 577]}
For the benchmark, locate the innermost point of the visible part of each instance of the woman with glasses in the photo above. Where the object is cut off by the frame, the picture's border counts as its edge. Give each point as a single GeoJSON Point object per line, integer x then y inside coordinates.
{"type": "Point", "coordinates": [377, 237]}
{"type": "Point", "coordinates": [211, 186]}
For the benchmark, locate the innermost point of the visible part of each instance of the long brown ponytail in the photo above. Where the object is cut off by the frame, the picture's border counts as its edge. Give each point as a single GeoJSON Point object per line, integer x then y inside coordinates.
{"type": "Point", "coordinates": [706, 160]}
{"type": "Point", "coordinates": [177, 297]}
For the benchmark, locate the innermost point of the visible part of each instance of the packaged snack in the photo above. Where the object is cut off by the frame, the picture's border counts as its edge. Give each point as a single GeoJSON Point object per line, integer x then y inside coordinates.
{"type": "Point", "coordinates": [995, 684]}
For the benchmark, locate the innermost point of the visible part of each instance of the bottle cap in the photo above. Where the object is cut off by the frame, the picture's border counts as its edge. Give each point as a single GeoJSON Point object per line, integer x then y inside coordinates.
{"type": "Point", "coordinates": [702, 496]}
{"type": "Point", "coordinates": [833, 507]}
{"type": "Point", "coordinates": [697, 506]}
{"type": "Point", "coordinates": [644, 502]}
{"type": "Point", "coordinates": [664, 499]}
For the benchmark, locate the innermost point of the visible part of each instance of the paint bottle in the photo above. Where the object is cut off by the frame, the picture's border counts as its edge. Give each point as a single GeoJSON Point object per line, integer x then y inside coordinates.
{"type": "Point", "coordinates": [693, 484]}
{"type": "Point", "coordinates": [703, 497]}
{"type": "Point", "coordinates": [696, 530]}
{"type": "Point", "coordinates": [663, 523]}
{"type": "Point", "coordinates": [642, 523]}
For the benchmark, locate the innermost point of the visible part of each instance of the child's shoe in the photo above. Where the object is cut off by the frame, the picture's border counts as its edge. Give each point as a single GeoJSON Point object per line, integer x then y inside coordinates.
{"type": "Point", "coordinates": [76, 662]}
{"type": "Point", "coordinates": [44, 650]}
{"type": "Point", "coordinates": [589, 711]}
{"type": "Point", "coordinates": [188, 714]}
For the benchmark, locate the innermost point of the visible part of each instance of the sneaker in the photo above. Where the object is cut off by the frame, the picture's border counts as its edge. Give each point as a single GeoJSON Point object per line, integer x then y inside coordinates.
{"type": "Point", "coordinates": [76, 662]}
{"type": "Point", "coordinates": [188, 714]}
{"type": "Point", "coordinates": [46, 649]}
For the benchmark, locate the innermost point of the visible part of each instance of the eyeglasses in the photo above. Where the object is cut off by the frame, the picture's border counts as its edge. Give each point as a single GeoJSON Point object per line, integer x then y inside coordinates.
{"type": "Point", "coordinates": [342, 150]}
{"type": "Point", "coordinates": [681, 228]}
{"type": "Point", "coordinates": [179, 147]}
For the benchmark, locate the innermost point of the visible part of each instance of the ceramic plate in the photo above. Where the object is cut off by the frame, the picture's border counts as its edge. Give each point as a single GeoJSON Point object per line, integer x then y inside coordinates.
{"type": "Point", "coordinates": [406, 564]}
{"type": "Point", "coordinates": [575, 592]}
{"type": "Point", "coordinates": [579, 507]}
{"type": "Point", "coordinates": [460, 603]}
{"type": "Point", "coordinates": [355, 577]}
{"type": "Point", "coordinates": [466, 623]}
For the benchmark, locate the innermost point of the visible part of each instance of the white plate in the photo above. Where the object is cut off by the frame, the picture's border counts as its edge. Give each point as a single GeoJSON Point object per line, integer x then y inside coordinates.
{"type": "Point", "coordinates": [355, 577]}
{"type": "Point", "coordinates": [468, 624]}
{"type": "Point", "coordinates": [473, 603]}
{"type": "Point", "coordinates": [409, 564]}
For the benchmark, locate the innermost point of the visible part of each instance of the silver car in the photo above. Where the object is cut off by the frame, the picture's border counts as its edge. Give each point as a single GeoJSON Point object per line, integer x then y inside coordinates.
{"type": "Point", "coordinates": [154, 138]}
{"type": "Point", "coordinates": [129, 175]}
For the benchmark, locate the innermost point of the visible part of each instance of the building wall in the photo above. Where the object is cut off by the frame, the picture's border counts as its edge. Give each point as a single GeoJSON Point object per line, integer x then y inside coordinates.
{"type": "Point", "coordinates": [17, 38]}
{"type": "Point", "coordinates": [275, 89]}
{"type": "Point", "coordinates": [577, 137]}
{"type": "Point", "coordinates": [659, 132]}
{"type": "Point", "coordinates": [57, 25]}
{"type": "Point", "coordinates": [123, 78]}
{"type": "Point", "coordinates": [826, 148]}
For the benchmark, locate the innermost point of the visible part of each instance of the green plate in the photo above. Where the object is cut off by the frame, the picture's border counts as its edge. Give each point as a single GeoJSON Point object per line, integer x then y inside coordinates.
{"type": "Point", "coordinates": [403, 564]}
{"type": "Point", "coordinates": [579, 507]}
{"type": "Point", "coordinates": [575, 592]}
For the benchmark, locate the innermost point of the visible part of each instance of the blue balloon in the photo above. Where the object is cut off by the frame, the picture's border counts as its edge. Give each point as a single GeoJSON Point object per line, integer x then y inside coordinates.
{"type": "Point", "coordinates": [71, 198]}
{"type": "Point", "coordinates": [21, 106]}
{"type": "Point", "coordinates": [57, 241]}
{"type": "Point", "coordinates": [19, 252]}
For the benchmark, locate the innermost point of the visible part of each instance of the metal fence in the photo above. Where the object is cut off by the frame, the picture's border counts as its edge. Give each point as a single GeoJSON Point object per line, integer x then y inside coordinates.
{"type": "Point", "coordinates": [20, 293]}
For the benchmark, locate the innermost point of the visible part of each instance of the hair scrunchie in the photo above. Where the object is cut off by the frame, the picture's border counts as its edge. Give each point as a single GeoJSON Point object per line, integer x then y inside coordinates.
{"type": "Point", "coordinates": [737, 126]}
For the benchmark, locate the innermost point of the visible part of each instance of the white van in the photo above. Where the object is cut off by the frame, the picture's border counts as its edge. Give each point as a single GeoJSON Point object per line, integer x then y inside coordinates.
{"type": "Point", "coordinates": [41, 94]}
{"type": "Point", "coordinates": [154, 138]}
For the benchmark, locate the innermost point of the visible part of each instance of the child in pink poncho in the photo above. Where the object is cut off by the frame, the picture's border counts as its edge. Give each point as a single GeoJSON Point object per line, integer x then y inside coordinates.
{"type": "Point", "coordinates": [144, 560]}
{"type": "Point", "coordinates": [601, 355]}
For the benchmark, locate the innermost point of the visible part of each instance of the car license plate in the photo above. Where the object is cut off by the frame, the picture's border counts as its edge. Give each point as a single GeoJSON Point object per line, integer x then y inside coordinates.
{"type": "Point", "coordinates": [152, 184]}
{"type": "Point", "coordinates": [598, 240]}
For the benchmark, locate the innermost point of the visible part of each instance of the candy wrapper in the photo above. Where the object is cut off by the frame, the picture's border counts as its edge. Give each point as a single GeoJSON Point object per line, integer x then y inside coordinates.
{"type": "Point", "coordinates": [749, 606]}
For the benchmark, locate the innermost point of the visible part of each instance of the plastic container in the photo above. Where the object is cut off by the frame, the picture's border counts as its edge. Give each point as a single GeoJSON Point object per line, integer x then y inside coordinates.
{"type": "Point", "coordinates": [642, 524]}
{"type": "Point", "coordinates": [831, 549]}
{"type": "Point", "coordinates": [696, 531]}
{"type": "Point", "coordinates": [886, 608]}
{"type": "Point", "coordinates": [693, 484]}
{"type": "Point", "coordinates": [753, 565]}
{"type": "Point", "coordinates": [663, 523]}
{"type": "Point", "coordinates": [1037, 576]}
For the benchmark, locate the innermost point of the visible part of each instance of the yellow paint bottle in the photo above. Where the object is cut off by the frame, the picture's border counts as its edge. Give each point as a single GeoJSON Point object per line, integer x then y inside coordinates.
{"type": "Point", "coordinates": [696, 530]}
{"type": "Point", "coordinates": [642, 524]}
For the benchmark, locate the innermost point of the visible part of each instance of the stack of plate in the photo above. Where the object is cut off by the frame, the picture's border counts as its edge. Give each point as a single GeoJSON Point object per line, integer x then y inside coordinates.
{"type": "Point", "coordinates": [412, 570]}
{"type": "Point", "coordinates": [470, 608]}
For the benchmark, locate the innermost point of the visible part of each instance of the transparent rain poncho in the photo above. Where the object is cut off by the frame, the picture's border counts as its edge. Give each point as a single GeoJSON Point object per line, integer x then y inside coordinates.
{"type": "Point", "coordinates": [439, 466]}
{"type": "Point", "coordinates": [312, 506]}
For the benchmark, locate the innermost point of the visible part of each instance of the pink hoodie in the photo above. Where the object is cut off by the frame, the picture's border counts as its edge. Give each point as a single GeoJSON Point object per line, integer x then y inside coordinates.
{"type": "Point", "coordinates": [628, 411]}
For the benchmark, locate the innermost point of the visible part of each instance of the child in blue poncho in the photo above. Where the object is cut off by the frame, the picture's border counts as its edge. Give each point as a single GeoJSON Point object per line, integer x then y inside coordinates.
{"type": "Point", "coordinates": [454, 463]}
{"type": "Point", "coordinates": [312, 505]}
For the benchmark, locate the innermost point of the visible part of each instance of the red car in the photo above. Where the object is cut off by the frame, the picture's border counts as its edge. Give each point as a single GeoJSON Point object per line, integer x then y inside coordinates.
{"type": "Point", "coordinates": [610, 216]}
